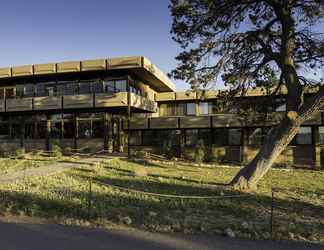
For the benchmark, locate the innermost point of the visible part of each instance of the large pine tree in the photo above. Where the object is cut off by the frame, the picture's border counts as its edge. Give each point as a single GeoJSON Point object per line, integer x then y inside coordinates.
{"type": "Point", "coordinates": [250, 43]}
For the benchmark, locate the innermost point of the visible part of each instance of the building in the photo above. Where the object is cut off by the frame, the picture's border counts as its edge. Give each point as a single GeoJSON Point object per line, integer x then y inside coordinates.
{"type": "Point", "coordinates": [92, 106]}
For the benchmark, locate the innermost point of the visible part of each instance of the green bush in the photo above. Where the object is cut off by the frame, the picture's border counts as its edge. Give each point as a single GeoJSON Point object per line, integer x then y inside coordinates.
{"type": "Point", "coordinates": [57, 150]}
{"type": "Point", "coordinates": [20, 152]}
{"type": "Point", "coordinates": [167, 149]}
{"type": "Point", "coordinates": [200, 152]}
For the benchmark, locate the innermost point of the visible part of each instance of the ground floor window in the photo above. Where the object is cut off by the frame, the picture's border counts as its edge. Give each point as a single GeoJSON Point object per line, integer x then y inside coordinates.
{"type": "Point", "coordinates": [255, 136]}
{"type": "Point", "coordinates": [227, 136]}
{"type": "Point", "coordinates": [304, 136]}
{"type": "Point", "coordinates": [135, 138]}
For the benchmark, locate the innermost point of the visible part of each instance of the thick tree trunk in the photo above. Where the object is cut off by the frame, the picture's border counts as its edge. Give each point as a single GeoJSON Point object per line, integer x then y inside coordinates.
{"type": "Point", "coordinates": [277, 140]}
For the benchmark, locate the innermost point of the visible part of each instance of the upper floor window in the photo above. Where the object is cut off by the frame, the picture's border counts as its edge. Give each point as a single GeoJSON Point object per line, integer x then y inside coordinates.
{"type": "Point", "coordinates": [29, 90]}
{"type": "Point", "coordinates": [191, 108]}
{"type": "Point", "coordinates": [203, 108]}
{"type": "Point", "coordinates": [121, 85]}
{"type": "Point", "coordinates": [10, 92]}
{"type": "Point", "coordinates": [85, 87]}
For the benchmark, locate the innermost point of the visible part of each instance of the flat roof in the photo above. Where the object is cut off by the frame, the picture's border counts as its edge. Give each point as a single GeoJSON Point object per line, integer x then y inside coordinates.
{"type": "Point", "coordinates": [139, 65]}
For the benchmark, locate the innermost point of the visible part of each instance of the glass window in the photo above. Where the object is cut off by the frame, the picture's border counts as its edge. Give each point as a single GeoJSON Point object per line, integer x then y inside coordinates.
{"type": "Point", "coordinates": [203, 108]}
{"type": "Point", "coordinates": [234, 136]}
{"type": "Point", "coordinates": [304, 136]}
{"type": "Point", "coordinates": [20, 91]}
{"type": "Point", "coordinates": [29, 130]}
{"type": "Point", "coordinates": [15, 131]}
{"type": "Point", "coordinates": [280, 105]}
{"type": "Point", "coordinates": [56, 126]}
{"type": "Point", "coordinates": [69, 129]}
{"type": "Point", "coordinates": [40, 130]}
{"type": "Point", "coordinates": [97, 87]}
{"type": "Point", "coordinates": [4, 130]}
{"type": "Point", "coordinates": [321, 134]}
{"type": "Point", "coordinates": [98, 129]}
{"type": "Point", "coordinates": [180, 109]}
{"type": "Point", "coordinates": [191, 137]}
{"type": "Point", "coordinates": [29, 90]}
{"type": "Point", "coordinates": [71, 88]}
{"type": "Point", "coordinates": [135, 137]}
{"type": "Point", "coordinates": [10, 92]}
{"type": "Point", "coordinates": [121, 86]}
{"type": "Point", "coordinates": [40, 89]}
{"type": "Point", "coordinates": [191, 109]}
{"type": "Point", "coordinates": [149, 137]}
{"type": "Point", "coordinates": [163, 109]}
{"type": "Point", "coordinates": [220, 136]}
{"type": "Point", "coordinates": [2, 93]}
{"type": "Point", "coordinates": [109, 86]}
{"type": "Point", "coordinates": [85, 88]}
{"type": "Point", "coordinates": [254, 136]}
{"type": "Point", "coordinates": [84, 129]}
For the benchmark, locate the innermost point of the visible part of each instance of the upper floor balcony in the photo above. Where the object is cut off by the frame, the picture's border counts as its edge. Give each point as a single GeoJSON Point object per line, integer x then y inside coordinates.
{"type": "Point", "coordinates": [80, 101]}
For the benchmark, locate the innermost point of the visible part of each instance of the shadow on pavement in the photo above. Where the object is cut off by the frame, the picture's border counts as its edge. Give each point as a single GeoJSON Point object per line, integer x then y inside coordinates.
{"type": "Point", "coordinates": [27, 236]}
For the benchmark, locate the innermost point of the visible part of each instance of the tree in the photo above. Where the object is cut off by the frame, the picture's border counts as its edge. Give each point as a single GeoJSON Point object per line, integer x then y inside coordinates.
{"type": "Point", "coordinates": [249, 43]}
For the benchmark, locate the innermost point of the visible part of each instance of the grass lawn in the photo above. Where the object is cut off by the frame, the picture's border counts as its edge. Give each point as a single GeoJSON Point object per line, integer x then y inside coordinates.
{"type": "Point", "coordinates": [298, 214]}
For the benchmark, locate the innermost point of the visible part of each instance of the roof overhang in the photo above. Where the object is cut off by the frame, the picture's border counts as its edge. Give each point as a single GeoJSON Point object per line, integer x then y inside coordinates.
{"type": "Point", "coordinates": [139, 65]}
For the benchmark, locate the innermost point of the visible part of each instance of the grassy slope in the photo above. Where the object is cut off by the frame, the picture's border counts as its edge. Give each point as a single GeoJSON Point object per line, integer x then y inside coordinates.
{"type": "Point", "coordinates": [299, 211]}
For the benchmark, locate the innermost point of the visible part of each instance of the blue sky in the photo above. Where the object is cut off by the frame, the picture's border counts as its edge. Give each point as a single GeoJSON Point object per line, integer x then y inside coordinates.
{"type": "Point", "coordinates": [36, 31]}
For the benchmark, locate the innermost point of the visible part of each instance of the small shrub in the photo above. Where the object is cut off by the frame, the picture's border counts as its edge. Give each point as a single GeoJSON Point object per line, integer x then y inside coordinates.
{"type": "Point", "coordinates": [199, 152]}
{"type": "Point", "coordinates": [57, 150]}
{"type": "Point", "coordinates": [20, 152]}
{"type": "Point", "coordinates": [140, 154]}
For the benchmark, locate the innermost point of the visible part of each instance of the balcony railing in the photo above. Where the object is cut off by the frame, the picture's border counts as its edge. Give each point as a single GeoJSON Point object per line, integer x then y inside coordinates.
{"type": "Point", "coordinates": [101, 100]}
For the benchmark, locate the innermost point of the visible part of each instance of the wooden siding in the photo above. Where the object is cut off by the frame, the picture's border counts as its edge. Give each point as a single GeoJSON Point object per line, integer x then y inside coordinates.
{"type": "Point", "coordinates": [114, 100]}
{"type": "Point", "coordinates": [48, 68]}
{"type": "Point", "coordinates": [93, 65]}
{"type": "Point", "coordinates": [68, 67]}
{"type": "Point", "coordinates": [138, 123]}
{"type": "Point", "coordinates": [77, 101]}
{"type": "Point", "coordinates": [164, 122]}
{"type": "Point", "coordinates": [195, 122]}
{"type": "Point", "coordinates": [48, 103]}
{"type": "Point", "coordinates": [24, 104]}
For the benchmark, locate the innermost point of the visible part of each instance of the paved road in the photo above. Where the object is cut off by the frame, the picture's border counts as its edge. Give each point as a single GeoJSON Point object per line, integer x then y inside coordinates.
{"type": "Point", "coordinates": [27, 236]}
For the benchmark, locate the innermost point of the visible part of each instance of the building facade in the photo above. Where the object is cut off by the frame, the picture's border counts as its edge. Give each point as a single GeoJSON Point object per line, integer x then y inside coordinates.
{"type": "Point", "coordinates": [127, 104]}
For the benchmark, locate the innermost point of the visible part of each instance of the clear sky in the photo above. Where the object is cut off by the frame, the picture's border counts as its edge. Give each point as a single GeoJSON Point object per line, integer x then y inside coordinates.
{"type": "Point", "coordinates": [41, 31]}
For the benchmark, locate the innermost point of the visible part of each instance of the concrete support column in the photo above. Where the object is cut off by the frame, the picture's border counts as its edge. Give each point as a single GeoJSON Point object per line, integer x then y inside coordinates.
{"type": "Point", "coordinates": [317, 148]}
{"type": "Point", "coordinates": [76, 132]}
{"type": "Point", "coordinates": [22, 132]}
{"type": "Point", "coordinates": [121, 135]}
{"type": "Point", "coordinates": [48, 134]}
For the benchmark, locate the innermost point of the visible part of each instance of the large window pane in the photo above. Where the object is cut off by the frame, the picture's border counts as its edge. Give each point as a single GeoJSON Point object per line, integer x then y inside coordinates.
{"type": "Point", "coordinates": [254, 136]}
{"type": "Point", "coordinates": [20, 91]}
{"type": "Point", "coordinates": [15, 131]}
{"type": "Point", "coordinates": [4, 130]}
{"type": "Point", "coordinates": [98, 129]}
{"type": "Point", "coordinates": [85, 129]}
{"type": "Point", "coordinates": [56, 126]}
{"type": "Point", "coordinates": [109, 86]}
{"type": "Point", "coordinates": [191, 108]}
{"type": "Point", "coordinates": [220, 137]}
{"type": "Point", "coordinates": [304, 136]}
{"type": "Point", "coordinates": [97, 87]}
{"type": "Point", "coordinates": [40, 131]}
{"type": "Point", "coordinates": [234, 136]}
{"type": "Point", "coordinates": [10, 93]}
{"type": "Point", "coordinates": [135, 137]}
{"type": "Point", "coordinates": [203, 108]}
{"type": "Point", "coordinates": [121, 86]}
{"type": "Point", "coordinates": [29, 130]}
{"type": "Point", "coordinates": [191, 137]}
{"type": "Point", "coordinates": [85, 87]}
{"type": "Point", "coordinates": [69, 129]}
{"type": "Point", "coordinates": [29, 90]}
{"type": "Point", "coordinates": [71, 88]}
{"type": "Point", "coordinates": [321, 134]}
